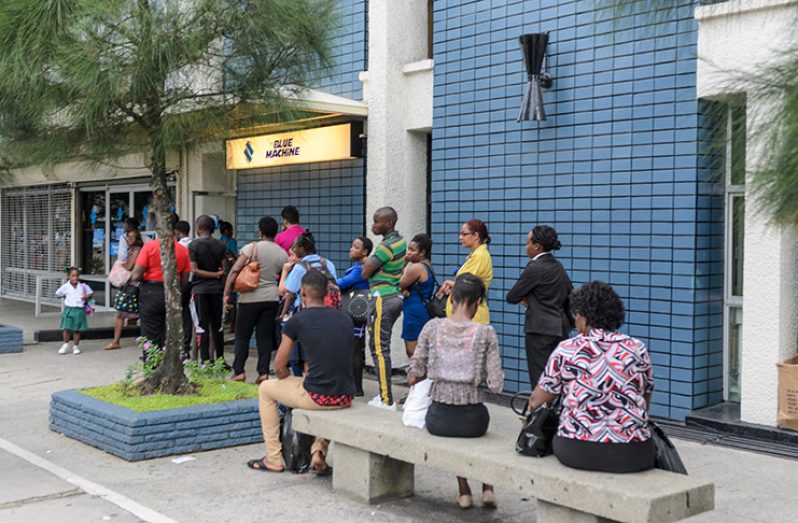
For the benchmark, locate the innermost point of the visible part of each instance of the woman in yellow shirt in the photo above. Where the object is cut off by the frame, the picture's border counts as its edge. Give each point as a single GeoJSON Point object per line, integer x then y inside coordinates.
{"type": "Point", "coordinates": [474, 237]}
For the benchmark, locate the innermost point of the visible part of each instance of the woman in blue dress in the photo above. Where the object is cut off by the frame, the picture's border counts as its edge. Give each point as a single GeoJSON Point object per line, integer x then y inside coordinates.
{"type": "Point", "coordinates": [417, 285]}
{"type": "Point", "coordinates": [352, 279]}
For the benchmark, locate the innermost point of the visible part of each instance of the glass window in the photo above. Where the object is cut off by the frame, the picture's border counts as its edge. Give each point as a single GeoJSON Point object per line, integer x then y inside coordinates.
{"type": "Point", "coordinates": [738, 139]}
{"type": "Point", "coordinates": [735, 248]}
{"type": "Point", "coordinates": [737, 244]}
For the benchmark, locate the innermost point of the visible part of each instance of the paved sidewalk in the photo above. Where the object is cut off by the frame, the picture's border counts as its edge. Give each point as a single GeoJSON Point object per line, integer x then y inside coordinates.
{"type": "Point", "coordinates": [21, 314]}
{"type": "Point", "coordinates": [31, 494]}
{"type": "Point", "coordinates": [217, 486]}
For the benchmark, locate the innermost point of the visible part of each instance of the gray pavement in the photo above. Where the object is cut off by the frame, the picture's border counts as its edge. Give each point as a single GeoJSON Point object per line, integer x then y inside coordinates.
{"type": "Point", "coordinates": [216, 485]}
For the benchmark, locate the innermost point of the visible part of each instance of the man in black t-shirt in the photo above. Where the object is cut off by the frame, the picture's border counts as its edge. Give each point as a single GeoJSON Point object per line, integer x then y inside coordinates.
{"type": "Point", "coordinates": [207, 284]}
{"type": "Point", "coordinates": [326, 335]}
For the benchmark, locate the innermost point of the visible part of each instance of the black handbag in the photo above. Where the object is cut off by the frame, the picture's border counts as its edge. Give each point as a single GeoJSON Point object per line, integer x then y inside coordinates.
{"type": "Point", "coordinates": [667, 457]}
{"type": "Point", "coordinates": [356, 304]}
{"type": "Point", "coordinates": [538, 429]}
{"type": "Point", "coordinates": [436, 307]}
{"type": "Point", "coordinates": [127, 299]}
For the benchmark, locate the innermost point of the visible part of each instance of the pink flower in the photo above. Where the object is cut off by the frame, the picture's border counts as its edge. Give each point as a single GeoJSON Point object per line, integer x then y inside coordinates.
{"type": "Point", "coordinates": [147, 345]}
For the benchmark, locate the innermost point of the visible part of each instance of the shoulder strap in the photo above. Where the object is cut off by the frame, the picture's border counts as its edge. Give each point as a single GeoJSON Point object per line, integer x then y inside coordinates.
{"type": "Point", "coordinates": [431, 273]}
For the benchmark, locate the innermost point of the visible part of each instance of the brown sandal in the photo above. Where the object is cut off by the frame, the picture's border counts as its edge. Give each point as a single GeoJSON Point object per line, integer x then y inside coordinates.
{"type": "Point", "coordinates": [112, 346]}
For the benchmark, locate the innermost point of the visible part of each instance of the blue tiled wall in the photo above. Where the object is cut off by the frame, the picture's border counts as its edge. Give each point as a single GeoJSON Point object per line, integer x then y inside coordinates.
{"type": "Point", "coordinates": [349, 51]}
{"type": "Point", "coordinates": [329, 195]}
{"type": "Point", "coordinates": [616, 169]}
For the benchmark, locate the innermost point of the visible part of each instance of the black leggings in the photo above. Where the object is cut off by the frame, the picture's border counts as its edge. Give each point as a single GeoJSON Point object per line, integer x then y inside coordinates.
{"type": "Point", "coordinates": [152, 312]}
{"type": "Point", "coordinates": [209, 317]}
{"type": "Point", "coordinates": [618, 458]}
{"type": "Point", "coordinates": [457, 421]}
{"type": "Point", "coordinates": [358, 362]}
{"type": "Point", "coordinates": [260, 317]}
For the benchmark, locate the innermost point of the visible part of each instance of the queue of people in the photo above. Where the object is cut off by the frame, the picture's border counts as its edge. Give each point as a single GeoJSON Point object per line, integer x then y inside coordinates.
{"type": "Point", "coordinates": [603, 378]}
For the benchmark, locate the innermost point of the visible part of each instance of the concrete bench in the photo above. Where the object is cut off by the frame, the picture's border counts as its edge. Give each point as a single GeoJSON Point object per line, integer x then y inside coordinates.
{"type": "Point", "coordinates": [374, 458]}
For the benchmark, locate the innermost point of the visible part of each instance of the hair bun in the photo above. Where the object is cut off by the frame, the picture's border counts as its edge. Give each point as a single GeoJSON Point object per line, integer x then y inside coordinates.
{"type": "Point", "coordinates": [557, 245]}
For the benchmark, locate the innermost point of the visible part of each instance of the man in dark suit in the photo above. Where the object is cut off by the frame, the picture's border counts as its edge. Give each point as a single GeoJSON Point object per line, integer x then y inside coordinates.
{"type": "Point", "coordinates": [543, 288]}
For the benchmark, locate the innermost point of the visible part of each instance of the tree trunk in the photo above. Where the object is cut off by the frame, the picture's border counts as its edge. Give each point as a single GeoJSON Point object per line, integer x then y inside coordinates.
{"type": "Point", "coordinates": [168, 378]}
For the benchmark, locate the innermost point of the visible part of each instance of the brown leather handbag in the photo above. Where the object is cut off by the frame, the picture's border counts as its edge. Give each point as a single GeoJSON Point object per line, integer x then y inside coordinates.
{"type": "Point", "coordinates": [247, 280]}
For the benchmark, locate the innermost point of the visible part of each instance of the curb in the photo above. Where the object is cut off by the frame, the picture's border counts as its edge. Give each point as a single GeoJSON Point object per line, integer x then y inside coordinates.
{"type": "Point", "coordinates": [97, 333]}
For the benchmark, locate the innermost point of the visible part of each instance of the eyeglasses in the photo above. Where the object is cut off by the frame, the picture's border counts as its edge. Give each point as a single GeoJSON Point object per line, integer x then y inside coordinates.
{"type": "Point", "coordinates": [466, 233]}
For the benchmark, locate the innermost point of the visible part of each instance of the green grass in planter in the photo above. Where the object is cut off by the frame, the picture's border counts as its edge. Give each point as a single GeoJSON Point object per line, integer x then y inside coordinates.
{"type": "Point", "coordinates": [207, 392]}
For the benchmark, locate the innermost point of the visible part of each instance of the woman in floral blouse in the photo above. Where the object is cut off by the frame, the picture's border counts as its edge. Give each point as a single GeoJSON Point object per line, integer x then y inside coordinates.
{"type": "Point", "coordinates": [606, 381]}
{"type": "Point", "coordinates": [458, 354]}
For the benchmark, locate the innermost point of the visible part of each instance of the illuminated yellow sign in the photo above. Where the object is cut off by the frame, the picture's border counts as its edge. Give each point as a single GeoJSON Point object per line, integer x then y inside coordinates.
{"type": "Point", "coordinates": [322, 144]}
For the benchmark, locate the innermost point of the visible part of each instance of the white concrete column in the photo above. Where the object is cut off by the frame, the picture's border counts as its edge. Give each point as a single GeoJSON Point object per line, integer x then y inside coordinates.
{"type": "Point", "coordinates": [397, 157]}
{"type": "Point", "coordinates": [736, 40]}
{"type": "Point", "coordinates": [770, 286]}
{"type": "Point", "coordinates": [398, 91]}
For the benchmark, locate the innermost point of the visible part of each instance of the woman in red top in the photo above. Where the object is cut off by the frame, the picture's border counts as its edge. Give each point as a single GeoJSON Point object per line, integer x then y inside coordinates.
{"type": "Point", "coordinates": [148, 270]}
{"type": "Point", "coordinates": [605, 379]}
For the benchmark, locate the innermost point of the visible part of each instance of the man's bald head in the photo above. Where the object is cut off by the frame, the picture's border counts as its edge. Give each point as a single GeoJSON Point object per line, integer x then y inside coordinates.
{"type": "Point", "coordinates": [384, 221]}
{"type": "Point", "coordinates": [388, 213]}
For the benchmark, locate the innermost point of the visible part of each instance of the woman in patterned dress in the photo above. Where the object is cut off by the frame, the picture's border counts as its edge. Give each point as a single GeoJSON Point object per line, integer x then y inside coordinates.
{"type": "Point", "coordinates": [605, 379]}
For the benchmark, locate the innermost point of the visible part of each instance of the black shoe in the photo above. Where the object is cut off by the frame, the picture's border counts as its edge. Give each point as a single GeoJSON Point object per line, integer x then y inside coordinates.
{"type": "Point", "coordinates": [359, 394]}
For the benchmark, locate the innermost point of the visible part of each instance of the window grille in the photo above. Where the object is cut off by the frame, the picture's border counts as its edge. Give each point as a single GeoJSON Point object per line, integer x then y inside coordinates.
{"type": "Point", "coordinates": [35, 235]}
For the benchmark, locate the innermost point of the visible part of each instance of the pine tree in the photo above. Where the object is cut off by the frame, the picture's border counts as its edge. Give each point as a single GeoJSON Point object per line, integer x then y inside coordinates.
{"type": "Point", "coordinates": [97, 79]}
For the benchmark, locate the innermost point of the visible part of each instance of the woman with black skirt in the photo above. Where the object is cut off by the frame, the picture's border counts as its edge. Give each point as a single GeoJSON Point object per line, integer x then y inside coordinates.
{"type": "Point", "coordinates": [458, 354]}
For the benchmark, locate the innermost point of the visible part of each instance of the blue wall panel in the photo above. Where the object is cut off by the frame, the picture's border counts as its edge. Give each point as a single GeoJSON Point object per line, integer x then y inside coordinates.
{"type": "Point", "coordinates": [329, 196]}
{"type": "Point", "coordinates": [349, 51]}
{"type": "Point", "coordinates": [616, 170]}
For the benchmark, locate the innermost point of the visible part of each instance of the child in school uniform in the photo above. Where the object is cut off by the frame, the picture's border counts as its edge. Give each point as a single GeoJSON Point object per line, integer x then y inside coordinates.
{"type": "Point", "coordinates": [73, 319]}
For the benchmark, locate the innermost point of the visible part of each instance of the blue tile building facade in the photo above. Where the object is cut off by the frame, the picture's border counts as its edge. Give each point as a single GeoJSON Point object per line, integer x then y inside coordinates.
{"type": "Point", "coordinates": [621, 169]}
{"type": "Point", "coordinates": [331, 195]}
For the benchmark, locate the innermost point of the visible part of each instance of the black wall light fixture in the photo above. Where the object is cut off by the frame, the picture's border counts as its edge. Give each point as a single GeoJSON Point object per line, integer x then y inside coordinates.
{"type": "Point", "coordinates": [533, 47]}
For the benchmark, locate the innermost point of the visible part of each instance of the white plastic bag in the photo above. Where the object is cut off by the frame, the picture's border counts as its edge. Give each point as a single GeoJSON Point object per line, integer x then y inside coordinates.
{"type": "Point", "coordinates": [416, 405]}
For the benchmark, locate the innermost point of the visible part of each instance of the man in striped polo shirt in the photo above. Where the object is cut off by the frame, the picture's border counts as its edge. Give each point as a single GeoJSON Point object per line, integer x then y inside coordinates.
{"type": "Point", "coordinates": [383, 270]}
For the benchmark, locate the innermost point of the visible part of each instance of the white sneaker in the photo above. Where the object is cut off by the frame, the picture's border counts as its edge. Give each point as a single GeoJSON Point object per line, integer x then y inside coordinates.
{"type": "Point", "coordinates": [376, 401]}
{"type": "Point", "coordinates": [66, 347]}
{"type": "Point", "coordinates": [75, 350]}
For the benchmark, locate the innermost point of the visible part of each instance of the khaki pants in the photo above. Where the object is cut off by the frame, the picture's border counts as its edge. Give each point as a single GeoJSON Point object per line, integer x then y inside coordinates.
{"type": "Point", "coordinates": [290, 392]}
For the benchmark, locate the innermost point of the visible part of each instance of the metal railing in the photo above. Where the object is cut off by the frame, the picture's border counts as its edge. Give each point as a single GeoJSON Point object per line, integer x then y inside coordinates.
{"type": "Point", "coordinates": [41, 298]}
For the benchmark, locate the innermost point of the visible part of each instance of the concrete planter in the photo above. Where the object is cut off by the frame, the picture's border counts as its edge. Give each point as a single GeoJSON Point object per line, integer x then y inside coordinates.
{"type": "Point", "coordinates": [135, 436]}
{"type": "Point", "coordinates": [10, 339]}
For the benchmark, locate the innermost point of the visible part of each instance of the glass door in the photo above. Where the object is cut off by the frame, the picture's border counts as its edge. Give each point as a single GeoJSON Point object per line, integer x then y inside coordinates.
{"type": "Point", "coordinates": [94, 244]}
{"type": "Point", "coordinates": [118, 214]}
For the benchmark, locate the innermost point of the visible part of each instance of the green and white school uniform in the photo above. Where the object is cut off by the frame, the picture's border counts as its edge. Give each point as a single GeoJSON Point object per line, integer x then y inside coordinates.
{"type": "Point", "coordinates": [74, 316]}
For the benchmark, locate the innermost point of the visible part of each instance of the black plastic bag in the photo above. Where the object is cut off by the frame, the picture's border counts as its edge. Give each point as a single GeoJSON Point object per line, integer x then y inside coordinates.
{"type": "Point", "coordinates": [667, 457]}
{"type": "Point", "coordinates": [539, 428]}
{"type": "Point", "coordinates": [296, 445]}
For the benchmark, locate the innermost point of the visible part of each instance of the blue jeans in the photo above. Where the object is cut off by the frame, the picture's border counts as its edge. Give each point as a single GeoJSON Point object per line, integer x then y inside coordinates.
{"type": "Point", "coordinates": [295, 361]}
